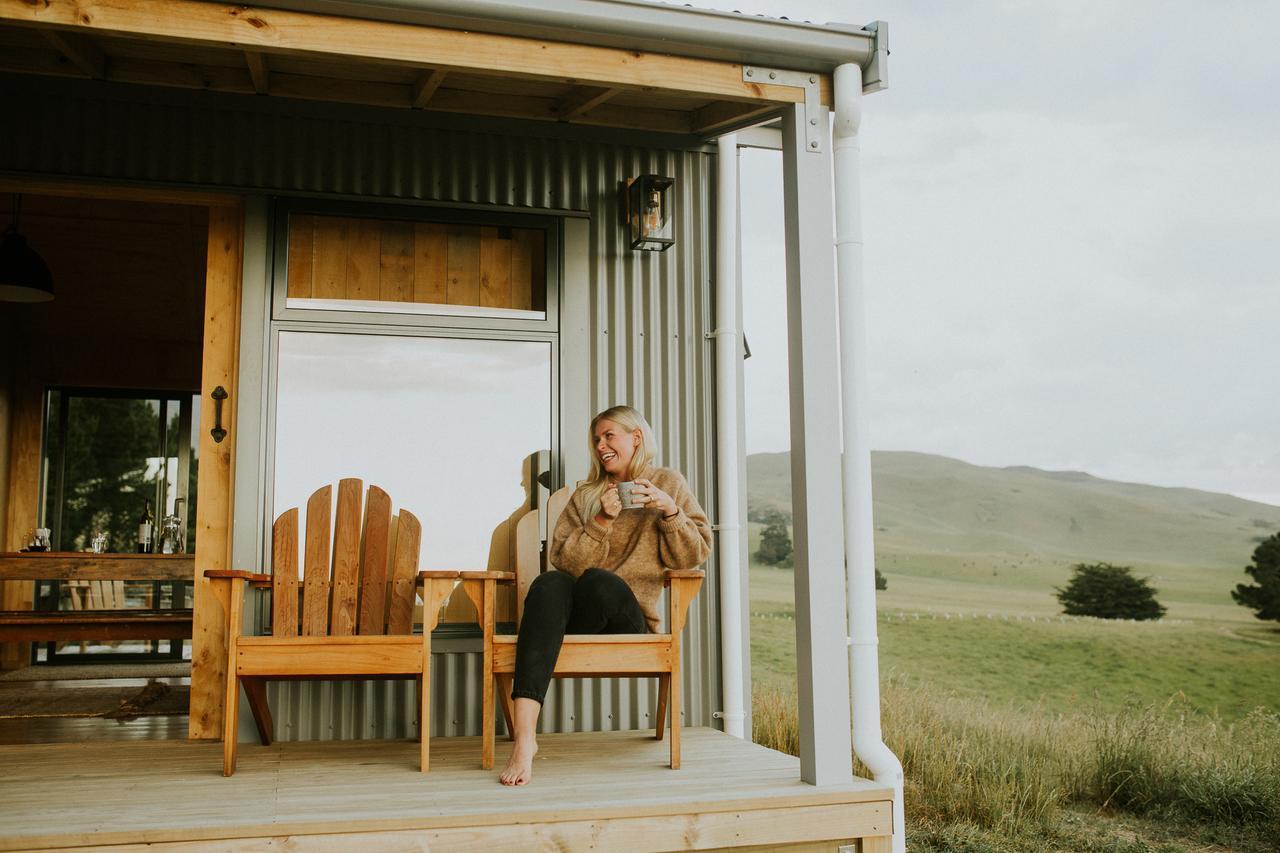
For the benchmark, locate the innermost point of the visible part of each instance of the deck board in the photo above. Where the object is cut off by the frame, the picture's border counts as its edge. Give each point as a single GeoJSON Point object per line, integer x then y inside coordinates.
{"type": "Point", "coordinates": [69, 794]}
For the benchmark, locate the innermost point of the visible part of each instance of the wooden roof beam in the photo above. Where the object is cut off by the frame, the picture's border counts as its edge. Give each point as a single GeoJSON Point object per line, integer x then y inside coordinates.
{"type": "Point", "coordinates": [425, 87]}
{"type": "Point", "coordinates": [583, 100]}
{"type": "Point", "coordinates": [258, 71]}
{"type": "Point", "coordinates": [80, 51]}
{"type": "Point", "coordinates": [286, 32]}
{"type": "Point", "coordinates": [725, 116]}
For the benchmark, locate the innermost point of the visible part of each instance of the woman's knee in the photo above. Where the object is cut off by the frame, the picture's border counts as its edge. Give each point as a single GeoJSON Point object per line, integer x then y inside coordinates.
{"type": "Point", "coordinates": [600, 585]}
{"type": "Point", "coordinates": [555, 583]}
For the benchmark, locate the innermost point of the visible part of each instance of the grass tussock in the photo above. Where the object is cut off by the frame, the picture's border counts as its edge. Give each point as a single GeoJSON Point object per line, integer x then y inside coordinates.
{"type": "Point", "coordinates": [977, 772]}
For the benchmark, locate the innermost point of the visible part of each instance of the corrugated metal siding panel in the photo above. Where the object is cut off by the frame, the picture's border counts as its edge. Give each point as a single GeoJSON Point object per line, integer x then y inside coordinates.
{"type": "Point", "coordinates": [650, 314]}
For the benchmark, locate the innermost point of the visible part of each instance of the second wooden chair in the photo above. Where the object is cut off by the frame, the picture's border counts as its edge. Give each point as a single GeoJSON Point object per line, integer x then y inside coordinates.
{"type": "Point", "coordinates": [586, 655]}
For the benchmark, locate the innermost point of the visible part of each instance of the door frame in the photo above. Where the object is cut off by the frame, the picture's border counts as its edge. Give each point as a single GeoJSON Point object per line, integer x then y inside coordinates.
{"type": "Point", "coordinates": [219, 363]}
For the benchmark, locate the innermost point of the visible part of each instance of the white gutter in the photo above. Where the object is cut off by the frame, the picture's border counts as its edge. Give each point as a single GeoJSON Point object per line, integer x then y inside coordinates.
{"type": "Point", "coordinates": [728, 358]}
{"type": "Point", "coordinates": [633, 25]}
{"type": "Point", "coordinates": [859, 529]}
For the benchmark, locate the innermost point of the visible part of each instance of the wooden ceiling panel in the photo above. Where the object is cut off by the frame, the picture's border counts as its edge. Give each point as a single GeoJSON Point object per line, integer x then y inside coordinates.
{"type": "Point", "coordinates": [509, 85]}
{"type": "Point", "coordinates": [333, 69]}
{"type": "Point", "coordinates": [157, 51]}
{"type": "Point", "coordinates": [373, 81]}
{"type": "Point", "coordinates": [122, 269]}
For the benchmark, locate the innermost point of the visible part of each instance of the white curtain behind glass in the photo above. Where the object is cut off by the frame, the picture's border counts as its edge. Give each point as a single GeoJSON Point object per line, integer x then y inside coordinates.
{"type": "Point", "coordinates": [444, 425]}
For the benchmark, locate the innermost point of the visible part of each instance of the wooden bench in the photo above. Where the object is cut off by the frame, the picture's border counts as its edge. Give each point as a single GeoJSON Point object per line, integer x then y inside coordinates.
{"type": "Point", "coordinates": [95, 624]}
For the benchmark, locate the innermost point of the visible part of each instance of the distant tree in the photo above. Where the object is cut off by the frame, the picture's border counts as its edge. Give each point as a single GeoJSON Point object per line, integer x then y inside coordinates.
{"type": "Point", "coordinates": [775, 543]}
{"type": "Point", "coordinates": [881, 581]}
{"type": "Point", "coordinates": [1108, 592]}
{"type": "Point", "coordinates": [1264, 596]}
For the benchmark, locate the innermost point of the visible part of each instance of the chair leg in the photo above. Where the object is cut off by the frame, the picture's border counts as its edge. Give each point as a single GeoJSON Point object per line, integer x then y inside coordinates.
{"type": "Point", "coordinates": [675, 716]}
{"type": "Point", "coordinates": [424, 700]}
{"type": "Point", "coordinates": [230, 721]}
{"type": "Point", "coordinates": [664, 688]}
{"type": "Point", "coordinates": [488, 725]}
{"type": "Point", "coordinates": [508, 709]}
{"type": "Point", "coordinates": [256, 690]}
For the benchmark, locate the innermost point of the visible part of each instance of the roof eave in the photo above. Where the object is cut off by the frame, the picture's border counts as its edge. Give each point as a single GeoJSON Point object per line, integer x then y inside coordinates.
{"type": "Point", "coordinates": [637, 25]}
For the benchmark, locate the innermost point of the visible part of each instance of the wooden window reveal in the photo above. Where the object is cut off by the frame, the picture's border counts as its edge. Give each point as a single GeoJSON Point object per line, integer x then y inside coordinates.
{"type": "Point", "coordinates": [431, 266]}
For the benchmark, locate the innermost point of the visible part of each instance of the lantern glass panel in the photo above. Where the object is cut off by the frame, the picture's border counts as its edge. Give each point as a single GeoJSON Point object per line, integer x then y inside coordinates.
{"type": "Point", "coordinates": [649, 213]}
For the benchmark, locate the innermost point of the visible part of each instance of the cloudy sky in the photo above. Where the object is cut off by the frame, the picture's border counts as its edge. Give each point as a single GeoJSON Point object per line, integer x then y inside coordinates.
{"type": "Point", "coordinates": [1072, 221]}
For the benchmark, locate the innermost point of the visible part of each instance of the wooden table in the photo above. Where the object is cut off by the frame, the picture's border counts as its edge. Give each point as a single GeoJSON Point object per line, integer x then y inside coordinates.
{"type": "Point", "coordinates": [122, 624]}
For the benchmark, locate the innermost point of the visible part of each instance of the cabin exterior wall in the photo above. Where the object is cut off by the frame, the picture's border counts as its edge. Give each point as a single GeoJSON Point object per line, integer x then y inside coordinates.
{"type": "Point", "coordinates": [648, 314]}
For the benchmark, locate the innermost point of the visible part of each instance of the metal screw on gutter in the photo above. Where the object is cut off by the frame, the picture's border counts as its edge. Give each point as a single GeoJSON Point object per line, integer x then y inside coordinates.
{"type": "Point", "coordinates": [813, 79]}
{"type": "Point", "coordinates": [813, 144]}
{"type": "Point", "coordinates": [813, 121]}
{"type": "Point", "coordinates": [773, 75]}
{"type": "Point", "coordinates": [751, 72]}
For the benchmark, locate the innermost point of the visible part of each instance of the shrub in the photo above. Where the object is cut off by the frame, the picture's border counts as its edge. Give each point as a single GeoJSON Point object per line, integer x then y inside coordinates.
{"type": "Point", "coordinates": [1264, 596]}
{"type": "Point", "coordinates": [1108, 592]}
{"type": "Point", "coordinates": [775, 543]}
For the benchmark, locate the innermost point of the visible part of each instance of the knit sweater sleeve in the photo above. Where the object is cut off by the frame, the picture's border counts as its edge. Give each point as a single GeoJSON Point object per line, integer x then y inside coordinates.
{"type": "Point", "coordinates": [684, 540]}
{"type": "Point", "coordinates": [578, 545]}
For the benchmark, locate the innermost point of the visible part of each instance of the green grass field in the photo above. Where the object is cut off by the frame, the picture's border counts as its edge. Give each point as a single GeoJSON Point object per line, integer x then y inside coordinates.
{"type": "Point", "coordinates": [1226, 669]}
{"type": "Point", "coordinates": [976, 660]}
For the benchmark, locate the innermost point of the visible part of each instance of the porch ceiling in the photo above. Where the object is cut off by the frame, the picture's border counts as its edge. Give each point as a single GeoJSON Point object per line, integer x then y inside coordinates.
{"type": "Point", "coordinates": [199, 45]}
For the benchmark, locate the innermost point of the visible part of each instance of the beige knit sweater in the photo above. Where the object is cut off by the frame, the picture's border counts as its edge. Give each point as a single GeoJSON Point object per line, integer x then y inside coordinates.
{"type": "Point", "coordinates": [639, 543]}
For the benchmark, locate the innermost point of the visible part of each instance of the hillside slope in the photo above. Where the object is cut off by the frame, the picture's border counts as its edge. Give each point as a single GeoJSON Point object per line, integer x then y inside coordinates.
{"type": "Point", "coordinates": [942, 518]}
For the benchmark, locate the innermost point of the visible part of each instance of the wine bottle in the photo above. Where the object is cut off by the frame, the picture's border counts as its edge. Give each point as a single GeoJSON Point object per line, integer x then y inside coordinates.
{"type": "Point", "coordinates": [146, 530]}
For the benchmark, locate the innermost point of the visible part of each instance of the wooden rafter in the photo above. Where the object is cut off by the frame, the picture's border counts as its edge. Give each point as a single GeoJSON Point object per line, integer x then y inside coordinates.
{"type": "Point", "coordinates": [583, 100]}
{"type": "Point", "coordinates": [723, 116]}
{"type": "Point", "coordinates": [280, 31]}
{"type": "Point", "coordinates": [258, 71]}
{"type": "Point", "coordinates": [425, 87]}
{"type": "Point", "coordinates": [80, 51]}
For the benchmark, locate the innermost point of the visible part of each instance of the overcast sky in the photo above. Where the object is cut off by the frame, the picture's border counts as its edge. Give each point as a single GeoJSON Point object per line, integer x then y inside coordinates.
{"type": "Point", "coordinates": [1072, 224]}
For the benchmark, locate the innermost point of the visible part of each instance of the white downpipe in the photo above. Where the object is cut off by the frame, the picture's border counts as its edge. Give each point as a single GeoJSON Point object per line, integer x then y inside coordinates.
{"type": "Point", "coordinates": [728, 352]}
{"type": "Point", "coordinates": [864, 666]}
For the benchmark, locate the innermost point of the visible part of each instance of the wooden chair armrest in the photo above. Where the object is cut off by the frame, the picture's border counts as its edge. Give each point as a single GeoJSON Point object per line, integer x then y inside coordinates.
{"type": "Point", "coordinates": [684, 585]}
{"type": "Point", "coordinates": [501, 577]}
{"type": "Point", "coordinates": [237, 574]}
{"type": "Point", "coordinates": [438, 574]}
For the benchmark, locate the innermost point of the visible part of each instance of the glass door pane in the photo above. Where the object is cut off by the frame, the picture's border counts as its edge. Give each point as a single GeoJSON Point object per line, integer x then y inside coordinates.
{"type": "Point", "coordinates": [445, 425]}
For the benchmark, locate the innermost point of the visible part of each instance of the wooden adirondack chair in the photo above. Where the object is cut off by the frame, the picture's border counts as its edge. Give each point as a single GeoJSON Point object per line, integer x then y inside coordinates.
{"type": "Point", "coordinates": [348, 626]}
{"type": "Point", "coordinates": [588, 655]}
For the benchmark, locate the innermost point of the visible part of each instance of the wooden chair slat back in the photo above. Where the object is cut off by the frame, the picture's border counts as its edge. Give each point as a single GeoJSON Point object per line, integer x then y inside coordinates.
{"type": "Point", "coordinates": [555, 505]}
{"type": "Point", "coordinates": [528, 558]}
{"type": "Point", "coordinates": [377, 545]}
{"type": "Point", "coordinates": [346, 558]}
{"type": "Point", "coordinates": [404, 571]}
{"type": "Point", "coordinates": [529, 545]}
{"type": "Point", "coordinates": [358, 562]}
{"type": "Point", "coordinates": [315, 562]}
{"type": "Point", "coordinates": [284, 575]}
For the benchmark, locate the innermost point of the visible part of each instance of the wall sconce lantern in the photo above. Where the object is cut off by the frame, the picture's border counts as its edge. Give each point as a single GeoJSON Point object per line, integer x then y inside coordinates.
{"type": "Point", "coordinates": [649, 213]}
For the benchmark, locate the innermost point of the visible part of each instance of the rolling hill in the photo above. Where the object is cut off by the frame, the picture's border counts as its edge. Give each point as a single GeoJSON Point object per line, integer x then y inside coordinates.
{"type": "Point", "coordinates": [945, 522]}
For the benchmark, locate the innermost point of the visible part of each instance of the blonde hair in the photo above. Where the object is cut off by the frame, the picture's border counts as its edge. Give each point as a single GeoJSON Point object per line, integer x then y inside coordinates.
{"type": "Point", "coordinates": [630, 420]}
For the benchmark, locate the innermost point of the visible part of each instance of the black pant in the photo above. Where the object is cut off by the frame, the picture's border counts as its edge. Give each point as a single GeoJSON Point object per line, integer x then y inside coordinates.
{"type": "Point", "coordinates": [598, 602]}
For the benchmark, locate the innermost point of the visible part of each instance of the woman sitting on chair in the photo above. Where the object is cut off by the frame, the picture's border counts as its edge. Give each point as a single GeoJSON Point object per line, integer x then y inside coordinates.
{"type": "Point", "coordinates": [610, 562]}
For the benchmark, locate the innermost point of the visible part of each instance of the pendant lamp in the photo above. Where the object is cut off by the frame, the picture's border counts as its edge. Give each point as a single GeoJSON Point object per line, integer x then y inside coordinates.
{"type": "Point", "coordinates": [24, 276]}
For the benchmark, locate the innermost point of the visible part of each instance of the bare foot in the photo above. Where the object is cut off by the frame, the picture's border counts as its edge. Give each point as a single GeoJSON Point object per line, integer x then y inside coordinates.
{"type": "Point", "coordinates": [519, 769]}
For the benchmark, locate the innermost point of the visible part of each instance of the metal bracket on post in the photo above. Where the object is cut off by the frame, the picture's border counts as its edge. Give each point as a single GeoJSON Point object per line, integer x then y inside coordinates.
{"type": "Point", "coordinates": [815, 131]}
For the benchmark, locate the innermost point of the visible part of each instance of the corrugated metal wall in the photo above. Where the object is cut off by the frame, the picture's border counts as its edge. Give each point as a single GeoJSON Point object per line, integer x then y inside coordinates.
{"type": "Point", "coordinates": [650, 312]}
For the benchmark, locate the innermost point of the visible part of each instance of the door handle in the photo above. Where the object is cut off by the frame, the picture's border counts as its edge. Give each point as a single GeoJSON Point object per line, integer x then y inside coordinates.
{"type": "Point", "coordinates": [219, 394]}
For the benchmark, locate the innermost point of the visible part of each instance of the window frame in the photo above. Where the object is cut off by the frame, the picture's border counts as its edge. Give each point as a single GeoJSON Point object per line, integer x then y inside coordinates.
{"type": "Point", "coordinates": [549, 224]}
{"type": "Point", "coordinates": [280, 319]}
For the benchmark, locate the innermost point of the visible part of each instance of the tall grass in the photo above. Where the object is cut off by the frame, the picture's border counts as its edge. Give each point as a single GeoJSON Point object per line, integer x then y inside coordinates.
{"type": "Point", "coordinates": [967, 763]}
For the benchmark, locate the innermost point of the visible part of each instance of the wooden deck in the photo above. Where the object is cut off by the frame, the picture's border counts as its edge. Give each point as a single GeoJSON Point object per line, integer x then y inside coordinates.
{"type": "Point", "coordinates": [605, 791]}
